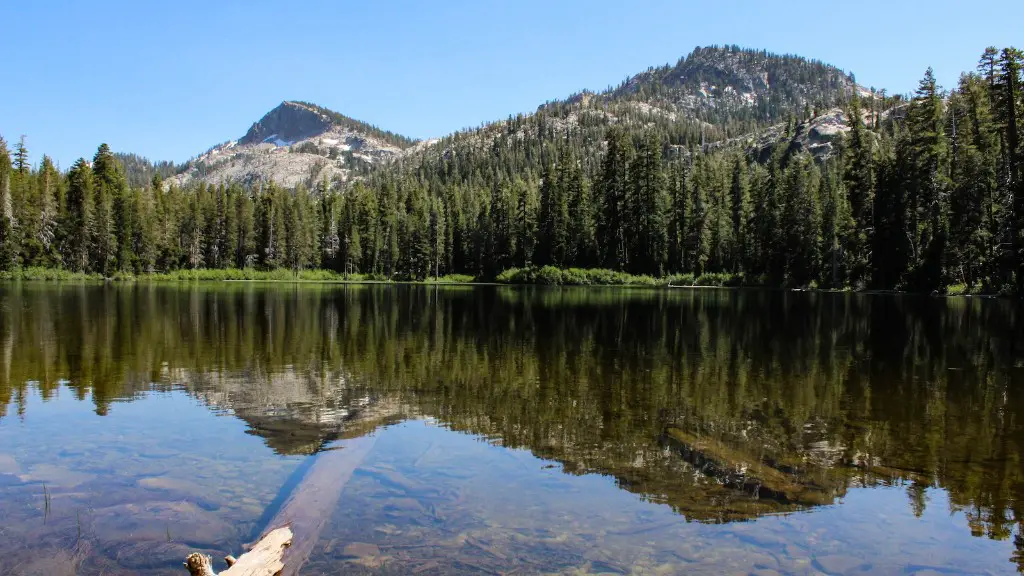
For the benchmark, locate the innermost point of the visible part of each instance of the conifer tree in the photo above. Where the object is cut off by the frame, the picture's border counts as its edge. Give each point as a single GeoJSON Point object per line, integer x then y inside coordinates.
{"type": "Point", "coordinates": [697, 248]}
{"type": "Point", "coordinates": [615, 193]}
{"type": "Point", "coordinates": [581, 216]}
{"type": "Point", "coordinates": [927, 185]}
{"type": "Point", "coordinates": [859, 181]}
{"type": "Point", "coordinates": [801, 220]}
{"type": "Point", "coordinates": [679, 209]}
{"type": "Point", "coordinates": [1008, 101]}
{"type": "Point", "coordinates": [47, 229]}
{"type": "Point", "coordinates": [647, 209]}
{"type": "Point", "coordinates": [21, 160]}
{"type": "Point", "coordinates": [8, 225]}
{"type": "Point", "coordinates": [80, 224]}
{"type": "Point", "coordinates": [740, 203]}
{"type": "Point", "coordinates": [109, 183]}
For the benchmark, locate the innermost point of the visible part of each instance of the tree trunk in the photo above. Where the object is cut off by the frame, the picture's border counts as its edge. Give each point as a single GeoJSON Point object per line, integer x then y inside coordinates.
{"type": "Point", "coordinates": [265, 559]}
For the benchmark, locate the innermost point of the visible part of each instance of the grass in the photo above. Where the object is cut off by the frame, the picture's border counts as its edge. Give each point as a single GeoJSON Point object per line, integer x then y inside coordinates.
{"type": "Point", "coordinates": [215, 275]}
{"type": "Point", "coordinates": [47, 274]}
{"type": "Point", "coordinates": [551, 276]}
{"type": "Point", "coordinates": [532, 275]}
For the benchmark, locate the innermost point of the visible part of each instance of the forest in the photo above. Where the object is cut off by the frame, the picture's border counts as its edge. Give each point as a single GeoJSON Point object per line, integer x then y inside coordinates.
{"type": "Point", "coordinates": [924, 194]}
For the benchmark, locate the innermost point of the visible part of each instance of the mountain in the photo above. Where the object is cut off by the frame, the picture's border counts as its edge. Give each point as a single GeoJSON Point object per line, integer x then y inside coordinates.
{"type": "Point", "coordinates": [712, 95]}
{"type": "Point", "coordinates": [296, 143]}
{"type": "Point", "coordinates": [725, 85]}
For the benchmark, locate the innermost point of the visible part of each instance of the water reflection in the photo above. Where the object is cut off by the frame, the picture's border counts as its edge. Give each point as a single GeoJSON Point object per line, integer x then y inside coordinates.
{"type": "Point", "coordinates": [724, 405]}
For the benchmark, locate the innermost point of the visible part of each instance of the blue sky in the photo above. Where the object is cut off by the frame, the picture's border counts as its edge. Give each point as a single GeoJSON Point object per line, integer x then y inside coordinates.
{"type": "Point", "coordinates": [170, 79]}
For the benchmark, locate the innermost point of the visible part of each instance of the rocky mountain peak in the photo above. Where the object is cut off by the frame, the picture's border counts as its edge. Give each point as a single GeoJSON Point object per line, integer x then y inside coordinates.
{"type": "Point", "coordinates": [287, 123]}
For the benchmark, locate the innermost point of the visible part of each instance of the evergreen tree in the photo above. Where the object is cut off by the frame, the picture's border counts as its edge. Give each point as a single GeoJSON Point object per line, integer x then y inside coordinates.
{"type": "Point", "coordinates": [801, 220]}
{"type": "Point", "coordinates": [647, 209]}
{"type": "Point", "coordinates": [927, 185]}
{"type": "Point", "coordinates": [1008, 101]}
{"type": "Point", "coordinates": [21, 161]}
{"type": "Point", "coordinates": [859, 181]}
{"type": "Point", "coordinates": [615, 196]}
{"type": "Point", "coordinates": [8, 225]}
{"type": "Point", "coordinates": [47, 229]}
{"type": "Point", "coordinates": [80, 223]}
{"type": "Point", "coordinates": [679, 210]}
{"type": "Point", "coordinates": [108, 233]}
{"type": "Point", "coordinates": [740, 203]}
{"type": "Point", "coordinates": [697, 247]}
{"type": "Point", "coordinates": [973, 209]}
{"type": "Point", "coordinates": [581, 219]}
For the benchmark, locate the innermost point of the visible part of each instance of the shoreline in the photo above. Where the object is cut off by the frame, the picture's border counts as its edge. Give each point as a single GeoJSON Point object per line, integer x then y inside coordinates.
{"type": "Point", "coordinates": [566, 278]}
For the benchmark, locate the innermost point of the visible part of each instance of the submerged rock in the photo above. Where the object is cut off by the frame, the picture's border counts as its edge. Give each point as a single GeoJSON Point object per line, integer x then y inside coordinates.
{"type": "Point", "coordinates": [161, 521]}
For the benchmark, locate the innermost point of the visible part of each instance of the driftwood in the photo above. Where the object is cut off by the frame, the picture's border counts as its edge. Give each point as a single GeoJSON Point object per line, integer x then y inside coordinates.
{"type": "Point", "coordinates": [307, 510]}
{"type": "Point", "coordinates": [265, 559]}
{"type": "Point", "coordinates": [310, 506]}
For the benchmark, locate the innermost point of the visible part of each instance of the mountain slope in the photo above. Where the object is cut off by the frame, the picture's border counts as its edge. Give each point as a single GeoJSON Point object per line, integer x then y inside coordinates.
{"type": "Point", "coordinates": [715, 94]}
{"type": "Point", "coordinates": [296, 143]}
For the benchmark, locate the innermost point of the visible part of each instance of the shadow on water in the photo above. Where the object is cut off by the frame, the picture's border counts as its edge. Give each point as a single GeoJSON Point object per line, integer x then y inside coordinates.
{"type": "Point", "coordinates": [724, 405]}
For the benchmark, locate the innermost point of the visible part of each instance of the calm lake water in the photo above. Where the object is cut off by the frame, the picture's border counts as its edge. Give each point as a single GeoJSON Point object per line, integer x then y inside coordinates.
{"type": "Point", "coordinates": [512, 430]}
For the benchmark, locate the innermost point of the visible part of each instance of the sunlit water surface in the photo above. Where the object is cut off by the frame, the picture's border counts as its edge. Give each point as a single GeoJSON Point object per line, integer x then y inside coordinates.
{"type": "Point", "coordinates": [513, 430]}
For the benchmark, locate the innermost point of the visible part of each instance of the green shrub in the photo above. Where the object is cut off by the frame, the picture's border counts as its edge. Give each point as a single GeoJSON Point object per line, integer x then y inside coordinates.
{"type": "Point", "coordinates": [452, 279]}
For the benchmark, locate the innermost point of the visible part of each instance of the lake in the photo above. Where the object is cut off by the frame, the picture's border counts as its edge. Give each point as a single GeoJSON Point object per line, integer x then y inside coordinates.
{"type": "Point", "coordinates": [512, 430]}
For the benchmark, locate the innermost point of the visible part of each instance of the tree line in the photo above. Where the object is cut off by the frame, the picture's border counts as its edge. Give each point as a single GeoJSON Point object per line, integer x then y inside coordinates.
{"type": "Point", "coordinates": [921, 197]}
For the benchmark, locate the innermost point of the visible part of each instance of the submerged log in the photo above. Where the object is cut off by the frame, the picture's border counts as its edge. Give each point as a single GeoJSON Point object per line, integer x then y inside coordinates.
{"type": "Point", "coordinates": [265, 559]}
{"type": "Point", "coordinates": [308, 508]}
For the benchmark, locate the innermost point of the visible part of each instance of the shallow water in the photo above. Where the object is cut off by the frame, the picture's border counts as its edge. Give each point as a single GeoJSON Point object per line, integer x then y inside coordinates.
{"type": "Point", "coordinates": [513, 430]}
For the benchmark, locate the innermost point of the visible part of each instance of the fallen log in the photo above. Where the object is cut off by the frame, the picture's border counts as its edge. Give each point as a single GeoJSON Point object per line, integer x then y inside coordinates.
{"type": "Point", "coordinates": [309, 506]}
{"type": "Point", "coordinates": [265, 559]}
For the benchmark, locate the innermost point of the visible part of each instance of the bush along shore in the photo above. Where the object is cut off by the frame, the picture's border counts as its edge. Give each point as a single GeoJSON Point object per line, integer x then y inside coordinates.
{"type": "Point", "coordinates": [526, 276]}
{"type": "Point", "coordinates": [215, 275]}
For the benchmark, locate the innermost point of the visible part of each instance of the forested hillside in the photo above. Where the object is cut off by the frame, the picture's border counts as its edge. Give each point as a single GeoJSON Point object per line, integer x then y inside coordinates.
{"type": "Point", "coordinates": [657, 176]}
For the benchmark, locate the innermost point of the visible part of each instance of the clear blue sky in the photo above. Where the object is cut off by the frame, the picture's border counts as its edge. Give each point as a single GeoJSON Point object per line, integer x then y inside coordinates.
{"type": "Point", "coordinates": [170, 79]}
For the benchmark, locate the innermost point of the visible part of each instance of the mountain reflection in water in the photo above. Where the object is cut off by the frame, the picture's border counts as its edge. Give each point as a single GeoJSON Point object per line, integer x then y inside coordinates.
{"type": "Point", "coordinates": [724, 405]}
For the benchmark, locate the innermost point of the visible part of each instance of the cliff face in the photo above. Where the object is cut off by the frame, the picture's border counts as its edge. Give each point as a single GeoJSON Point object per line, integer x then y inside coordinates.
{"type": "Point", "coordinates": [288, 123]}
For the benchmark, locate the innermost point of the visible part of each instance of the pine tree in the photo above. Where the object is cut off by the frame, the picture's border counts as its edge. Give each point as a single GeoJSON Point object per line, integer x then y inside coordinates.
{"type": "Point", "coordinates": [8, 225]}
{"type": "Point", "coordinates": [330, 241]}
{"type": "Point", "coordinates": [740, 203]}
{"type": "Point", "coordinates": [837, 230]}
{"type": "Point", "coordinates": [49, 214]}
{"type": "Point", "coordinates": [859, 181]}
{"type": "Point", "coordinates": [927, 184]}
{"type": "Point", "coordinates": [1008, 101]}
{"type": "Point", "coordinates": [615, 193]}
{"type": "Point", "coordinates": [144, 244]}
{"type": "Point", "coordinates": [21, 161]}
{"type": "Point", "coordinates": [892, 246]}
{"type": "Point", "coordinates": [501, 228]}
{"type": "Point", "coordinates": [801, 220]}
{"type": "Point", "coordinates": [697, 246]}
{"type": "Point", "coordinates": [439, 236]}
{"type": "Point", "coordinates": [109, 183]}
{"type": "Point", "coordinates": [245, 216]}
{"type": "Point", "coordinates": [647, 208]}
{"type": "Point", "coordinates": [191, 231]}
{"type": "Point", "coordinates": [973, 210]}
{"type": "Point", "coordinates": [527, 205]}
{"type": "Point", "coordinates": [80, 224]}
{"type": "Point", "coordinates": [581, 220]}
{"type": "Point", "coordinates": [679, 210]}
